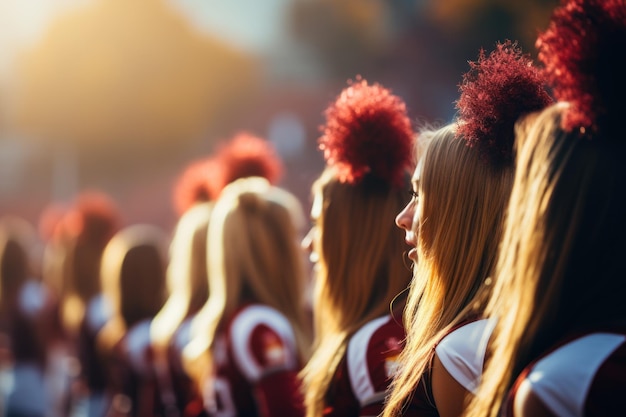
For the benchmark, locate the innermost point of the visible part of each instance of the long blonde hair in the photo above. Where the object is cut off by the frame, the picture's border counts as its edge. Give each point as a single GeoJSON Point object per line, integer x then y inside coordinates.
{"type": "Point", "coordinates": [463, 200]}
{"type": "Point", "coordinates": [561, 265]}
{"type": "Point", "coordinates": [81, 234]}
{"type": "Point", "coordinates": [133, 279]}
{"type": "Point", "coordinates": [187, 279]}
{"type": "Point", "coordinates": [360, 271]}
{"type": "Point", "coordinates": [254, 257]}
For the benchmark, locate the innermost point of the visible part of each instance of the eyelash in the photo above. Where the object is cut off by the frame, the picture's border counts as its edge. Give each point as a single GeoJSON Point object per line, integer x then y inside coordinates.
{"type": "Point", "coordinates": [413, 194]}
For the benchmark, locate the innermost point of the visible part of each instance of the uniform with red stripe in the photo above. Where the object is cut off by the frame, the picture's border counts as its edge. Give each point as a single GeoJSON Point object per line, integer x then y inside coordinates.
{"type": "Point", "coordinates": [360, 383]}
{"type": "Point", "coordinates": [176, 385]}
{"type": "Point", "coordinates": [585, 376]}
{"type": "Point", "coordinates": [256, 366]}
{"type": "Point", "coordinates": [132, 372]}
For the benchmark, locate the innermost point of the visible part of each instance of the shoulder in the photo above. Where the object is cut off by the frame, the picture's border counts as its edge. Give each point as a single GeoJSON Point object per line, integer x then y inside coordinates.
{"type": "Point", "coordinates": [372, 358]}
{"type": "Point", "coordinates": [34, 299]}
{"type": "Point", "coordinates": [97, 313]}
{"type": "Point", "coordinates": [262, 341]}
{"type": "Point", "coordinates": [462, 352]}
{"type": "Point", "coordinates": [586, 374]}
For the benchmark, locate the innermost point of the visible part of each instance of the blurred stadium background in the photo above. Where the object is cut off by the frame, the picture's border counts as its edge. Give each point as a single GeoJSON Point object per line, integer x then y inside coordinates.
{"type": "Point", "coordinates": [120, 95]}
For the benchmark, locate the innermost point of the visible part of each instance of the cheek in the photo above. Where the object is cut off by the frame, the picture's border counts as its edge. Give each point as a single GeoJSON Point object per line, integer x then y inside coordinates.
{"type": "Point", "coordinates": [418, 218]}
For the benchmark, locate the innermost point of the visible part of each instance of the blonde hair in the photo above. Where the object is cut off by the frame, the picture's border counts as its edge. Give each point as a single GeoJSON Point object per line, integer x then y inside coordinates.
{"type": "Point", "coordinates": [79, 268]}
{"type": "Point", "coordinates": [561, 266]}
{"type": "Point", "coordinates": [463, 200]}
{"type": "Point", "coordinates": [360, 271]}
{"type": "Point", "coordinates": [187, 279]}
{"type": "Point", "coordinates": [133, 279]}
{"type": "Point", "coordinates": [254, 257]}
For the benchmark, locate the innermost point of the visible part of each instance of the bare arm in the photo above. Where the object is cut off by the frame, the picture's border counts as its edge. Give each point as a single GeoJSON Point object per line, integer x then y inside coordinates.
{"type": "Point", "coordinates": [527, 404]}
{"type": "Point", "coordinates": [450, 396]}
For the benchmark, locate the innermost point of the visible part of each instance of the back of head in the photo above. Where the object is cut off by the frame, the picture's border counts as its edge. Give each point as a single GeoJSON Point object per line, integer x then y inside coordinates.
{"type": "Point", "coordinates": [560, 269]}
{"type": "Point", "coordinates": [567, 225]}
{"type": "Point", "coordinates": [86, 227]}
{"type": "Point", "coordinates": [583, 170]}
{"type": "Point", "coordinates": [187, 269]}
{"type": "Point", "coordinates": [80, 235]}
{"type": "Point", "coordinates": [254, 254]}
{"type": "Point", "coordinates": [361, 267]}
{"type": "Point", "coordinates": [367, 142]}
{"type": "Point", "coordinates": [133, 273]}
{"type": "Point", "coordinates": [187, 277]}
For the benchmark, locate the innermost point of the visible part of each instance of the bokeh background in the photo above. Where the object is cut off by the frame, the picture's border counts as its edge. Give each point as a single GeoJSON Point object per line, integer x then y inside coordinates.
{"type": "Point", "coordinates": [120, 95]}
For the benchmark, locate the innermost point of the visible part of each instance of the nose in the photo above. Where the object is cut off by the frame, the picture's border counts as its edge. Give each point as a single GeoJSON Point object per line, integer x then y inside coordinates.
{"type": "Point", "coordinates": [404, 219]}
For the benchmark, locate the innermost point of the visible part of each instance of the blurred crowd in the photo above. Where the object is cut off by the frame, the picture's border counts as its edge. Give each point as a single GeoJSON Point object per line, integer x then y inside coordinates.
{"type": "Point", "coordinates": [466, 269]}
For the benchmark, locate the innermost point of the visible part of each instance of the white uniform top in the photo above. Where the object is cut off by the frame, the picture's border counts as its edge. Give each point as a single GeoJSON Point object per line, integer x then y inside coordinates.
{"type": "Point", "coordinates": [462, 352]}
{"type": "Point", "coordinates": [583, 377]}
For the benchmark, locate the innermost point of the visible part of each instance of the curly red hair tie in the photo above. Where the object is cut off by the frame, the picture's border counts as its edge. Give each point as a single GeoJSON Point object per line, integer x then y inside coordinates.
{"type": "Point", "coordinates": [247, 155]}
{"type": "Point", "coordinates": [495, 92]}
{"type": "Point", "coordinates": [368, 132]}
{"type": "Point", "coordinates": [197, 183]}
{"type": "Point", "coordinates": [584, 53]}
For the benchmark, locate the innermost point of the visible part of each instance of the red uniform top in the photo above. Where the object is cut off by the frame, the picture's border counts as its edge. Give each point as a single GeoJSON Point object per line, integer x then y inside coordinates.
{"type": "Point", "coordinates": [132, 373]}
{"type": "Point", "coordinates": [176, 388]}
{"type": "Point", "coordinates": [362, 379]}
{"type": "Point", "coordinates": [97, 313]}
{"type": "Point", "coordinates": [25, 325]}
{"type": "Point", "coordinates": [256, 367]}
{"type": "Point", "coordinates": [361, 382]}
{"type": "Point", "coordinates": [584, 376]}
{"type": "Point", "coordinates": [25, 321]}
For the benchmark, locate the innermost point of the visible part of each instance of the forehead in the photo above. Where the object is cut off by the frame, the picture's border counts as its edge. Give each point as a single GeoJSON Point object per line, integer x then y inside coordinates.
{"type": "Point", "coordinates": [417, 173]}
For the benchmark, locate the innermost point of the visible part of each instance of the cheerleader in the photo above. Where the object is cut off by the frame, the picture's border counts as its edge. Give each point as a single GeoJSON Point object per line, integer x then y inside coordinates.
{"type": "Point", "coordinates": [367, 142]}
{"type": "Point", "coordinates": [133, 281]}
{"type": "Point", "coordinates": [250, 339]}
{"type": "Point", "coordinates": [559, 345]}
{"type": "Point", "coordinates": [453, 223]}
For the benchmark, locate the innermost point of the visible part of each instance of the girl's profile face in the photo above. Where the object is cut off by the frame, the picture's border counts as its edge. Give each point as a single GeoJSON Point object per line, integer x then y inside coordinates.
{"type": "Point", "coordinates": [409, 218]}
{"type": "Point", "coordinates": [312, 240]}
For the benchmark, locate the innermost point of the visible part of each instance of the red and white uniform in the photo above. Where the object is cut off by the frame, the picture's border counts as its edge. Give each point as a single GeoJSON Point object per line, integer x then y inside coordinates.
{"type": "Point", "coordinates": [458, 353]}
{"type": "Point", "coordinates": [132, 372]}
{"type": "Point", "coordinates": [256, 366]}
{"type": "Point", "coordinates": [462, 352]}
{"type": "Point", "coordinates": [361, 381]}
{"type": "Point", "coordinates": [176, 388]}
{"type": "Point", "coordinates": [97, 313]}
{"type": "Point", "coordinates": [24, 326]}
{"type": "Point", "coordinates": [585, 376]}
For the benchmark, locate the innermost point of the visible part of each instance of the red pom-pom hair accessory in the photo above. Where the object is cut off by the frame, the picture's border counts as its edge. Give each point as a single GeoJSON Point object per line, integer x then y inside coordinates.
{"type": "Point", "coordinates": [198, 183]}
{"type": "Point", "coordinates": [49, 226]}
{"type": "Point", "coordinates": [584, 54]}
{"type": "Point", "coordinates": [368, 132]}
{"type": "Point", "coordinates": [247, 155]}
{"type": "Point", "coordinates": [495, 92]}
{"type": "Point", "coordinates": [93, 219]}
